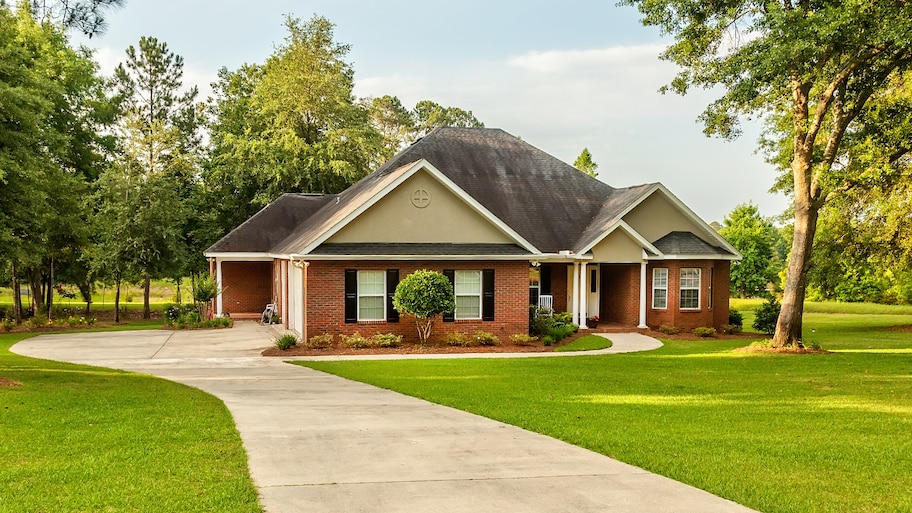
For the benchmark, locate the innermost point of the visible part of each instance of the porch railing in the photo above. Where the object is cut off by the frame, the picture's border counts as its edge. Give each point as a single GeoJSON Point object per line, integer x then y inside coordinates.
{"type": "Point", "coordinates": [546, 301]}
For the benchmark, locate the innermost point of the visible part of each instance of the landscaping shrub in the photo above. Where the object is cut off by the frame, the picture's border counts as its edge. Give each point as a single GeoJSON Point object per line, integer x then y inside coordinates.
{"type": "Point", "coordinates": [735, 318]}
{"type": "Point", "coordinates": [486, 338]}
{"type": "Point", "coordinates": [355, 341]}
{"type": "Point", "coordinates": [286, 341]}
{"type": "Point", "coordinates": [540, 320]}
{"type": "Point", "coordinates": [319, 341]}
{"type": "Point", "coordinates": [730, 328]}
{"type": "Point", "coordinates": [559, 332]}
{"type": "Point", "coordinates": [669, 330]}
{"type": "Point", "coordinates": [547, 340]}
{"type": "Point", "coordinates": [7, 324]}
{"type": "Point", "coordinates": [457, 339]}
{"type": "Point", "coordinates": [704, 332]}
{"type": "Point", "coordinates": [563, 318]}
{"type": "Point", "coordinates": [767, 315]}
{"type": "Point", "coordinates": [522, 339]}
{"type": "Point", "coordinates": [426, 295]}
{"type": "Point", "coordinates": [386, 340]}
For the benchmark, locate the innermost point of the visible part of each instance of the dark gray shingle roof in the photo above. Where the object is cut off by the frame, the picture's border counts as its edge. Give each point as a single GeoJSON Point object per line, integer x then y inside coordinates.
{"type": "Point", "coordinates": [265, 229]}
{"type": "Point", "coordinates": [686, 243]}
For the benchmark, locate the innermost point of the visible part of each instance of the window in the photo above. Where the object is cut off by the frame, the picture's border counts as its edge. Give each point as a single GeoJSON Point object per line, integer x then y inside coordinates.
{"type": "Point", "coordinates": [660, 288]}
{"type": "Point", "coordinates": [467, 286]}
{"type": "Point", "coordinates": [371, 296]}
{"type": "Point", "coordinates": [534, 285]}
{"type": "Point", "coordinates": [690, 289]}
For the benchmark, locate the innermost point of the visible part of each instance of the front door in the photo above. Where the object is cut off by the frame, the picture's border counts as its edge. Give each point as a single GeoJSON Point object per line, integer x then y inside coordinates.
{"type": "Point", "coordinates": [592, 286]}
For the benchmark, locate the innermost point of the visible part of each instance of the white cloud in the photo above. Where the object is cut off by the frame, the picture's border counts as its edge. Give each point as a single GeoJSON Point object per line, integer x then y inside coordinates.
{"type": "Point", "coordinates": [574, 61]}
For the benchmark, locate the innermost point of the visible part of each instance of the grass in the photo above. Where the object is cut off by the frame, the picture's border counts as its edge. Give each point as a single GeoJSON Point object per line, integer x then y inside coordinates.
{"type": "Point", "coordinates": [831, 307]}
{"type": "Point", "coordinates": [161, 292]}
{"type": "Point", "coordinates": [587, 343]}
{"type": "Point", "coordinates": [85, 439]}
{"type": "Point", "coordinates": [775, 432]}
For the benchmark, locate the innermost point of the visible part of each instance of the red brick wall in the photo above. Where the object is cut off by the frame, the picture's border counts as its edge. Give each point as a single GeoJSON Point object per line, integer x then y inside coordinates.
{"type": "Point", "coordinates": [326, 299]}
{"type": "Point", "coordinates": [710, 316]}
{"type": "Point", "coordinates": [246, 286]}
{"type": "Point", "coordinates": [559, 286]}
{"type": "Point", "coordinates": [620, 294]}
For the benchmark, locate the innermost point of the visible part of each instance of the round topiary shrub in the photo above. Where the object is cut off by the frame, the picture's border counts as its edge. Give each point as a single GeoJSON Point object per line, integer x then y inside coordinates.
{"type": "Point", "coordinates": [424, 294]}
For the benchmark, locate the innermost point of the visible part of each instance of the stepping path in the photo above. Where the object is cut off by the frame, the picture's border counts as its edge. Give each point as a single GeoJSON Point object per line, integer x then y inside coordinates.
{"type": "Point", "coordinates": [320, 443]}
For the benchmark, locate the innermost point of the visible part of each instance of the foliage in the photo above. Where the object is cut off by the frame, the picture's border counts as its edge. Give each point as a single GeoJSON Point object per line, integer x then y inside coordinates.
{"type": "Point", "coordinates": [767, 315]}
{"type": "Point", "coordinates": [755, 238]}
{"type": "Point", "coordinates": [523, 339]}
{"type": "Point", "coordinates": [358, 341]}
{"type": "Point", "coordinates": [286, 341]}
{"type": "Point", "coordinates": [669, 330]}
{"type": "Point", "coordinates": [827, 79]}
{"type": "Point", "coordinates": [704, 332]}
{"type": "Point", "coordinates": [457, 339]}
{"type": "Point", "coordinates": [560, 331]}
{"type": "Point", "coordinates": [847, 407]}
{"type": "Point", "coordinates": [735, 317]}
{"type": "Point", "coordinates": [400, 126]}
{"type": "Point", "coordinates": [585, 163]}
{"type": "Point", "coordinates": [731, 329]}
{"type": "Point", "coordinates": [188, 316]}
{"type": "Point", "coordinates": [485, 338]}
{"type": "Point", "coordinates": [540, 320]}
{"type": "Point", "coordinates": [86, 16]}
{"type": "Point", "coordinates": [323, 341]}
{"type": "Point", "coordinates": [426, 295]}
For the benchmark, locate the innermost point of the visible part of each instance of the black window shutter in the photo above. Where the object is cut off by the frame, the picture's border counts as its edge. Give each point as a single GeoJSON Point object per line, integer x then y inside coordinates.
{"type": "Point", "coordinates": [545, 279]}
{"type": "Point", "coordinates": [351, 295]}
{"type": "Point", "coordinates": [450, 275]}
{"type": "Point", "coordinates": [392, 280]}
{"type": "Point", "coordinates": [487, 295]}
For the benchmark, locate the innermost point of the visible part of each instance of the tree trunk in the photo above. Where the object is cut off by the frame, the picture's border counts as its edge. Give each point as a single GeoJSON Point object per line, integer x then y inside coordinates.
{"type": "Point", "coordinates": [35, 287]}
{"type": "Point", "coordinates": [50, 292]}
{"type": "Point", "coordinates": [17, 298]}
{"type": "Point", "coordinates": [85, 289]}
{"type": "Point", "coordinates": [117, 298]}
{"type": "Point", "coordinates": [147, 312]}
{"type": "Point", "coordinates": [789, 325]}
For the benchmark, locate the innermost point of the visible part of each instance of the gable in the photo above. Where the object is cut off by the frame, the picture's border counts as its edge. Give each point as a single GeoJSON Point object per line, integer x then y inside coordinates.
{"type": "Point", "coordinates": [657, 215]}
{"type": "Point", "coordinates": [618, 247]}
{"type": "Point", "coordinates": [435, 215]}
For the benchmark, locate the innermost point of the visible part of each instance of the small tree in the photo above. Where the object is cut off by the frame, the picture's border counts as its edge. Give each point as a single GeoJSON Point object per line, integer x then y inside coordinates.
{"type": "Point", "coordinates": [424, 294]}
{"type": "Point", "coordinates": [205, 289]}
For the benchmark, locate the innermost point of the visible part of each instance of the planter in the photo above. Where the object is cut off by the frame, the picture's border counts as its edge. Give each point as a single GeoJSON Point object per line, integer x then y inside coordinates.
{"type": "Point", "coordinates": [591, 324]}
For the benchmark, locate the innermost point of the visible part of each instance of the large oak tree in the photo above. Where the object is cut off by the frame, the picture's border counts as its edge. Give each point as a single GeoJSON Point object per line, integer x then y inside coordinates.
{"type": "Point", "coordinates": [814, 72]}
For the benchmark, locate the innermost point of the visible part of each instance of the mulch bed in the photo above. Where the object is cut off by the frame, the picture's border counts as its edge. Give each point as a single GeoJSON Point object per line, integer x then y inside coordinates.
{"type": "Point", "coordinates": [907, 328]}
{"type": "Point", "coordinates": [505, 347]}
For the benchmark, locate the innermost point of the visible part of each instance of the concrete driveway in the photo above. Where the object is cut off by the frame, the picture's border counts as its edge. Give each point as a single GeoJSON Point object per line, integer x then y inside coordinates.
{"type": "Point", "coordinates": [319, 443]}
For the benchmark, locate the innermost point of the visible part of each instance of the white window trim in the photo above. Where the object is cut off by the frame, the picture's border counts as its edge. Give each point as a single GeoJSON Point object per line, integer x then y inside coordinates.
{"type": "Point", "coordinates": [654, 288]}
{"type": "Point", "coordinates": [381, 295]}
{"type": "Point", "coordinates": [682, 288]}
{"type": "Point", "coordinates": [480, 295]}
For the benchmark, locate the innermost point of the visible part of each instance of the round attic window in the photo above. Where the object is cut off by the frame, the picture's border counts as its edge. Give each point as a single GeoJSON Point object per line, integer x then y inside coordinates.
{"type": "Point", "coordinates": [421, 198]}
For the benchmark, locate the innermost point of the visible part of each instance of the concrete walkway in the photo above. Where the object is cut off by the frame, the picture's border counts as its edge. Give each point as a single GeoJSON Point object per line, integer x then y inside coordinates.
{"type": "Point", "coordinates": [319, 443]}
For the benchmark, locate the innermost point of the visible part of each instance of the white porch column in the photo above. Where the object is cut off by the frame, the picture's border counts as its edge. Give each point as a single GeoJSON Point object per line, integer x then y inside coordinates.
{"type": "Point", "coordinates": [218, 281]}
{"type": "Point", "coordinates": [584, 293]}
{"type": "Point", "coordinates": [643, 295]}
{"type": "Point", "coordinates": [576, 289]}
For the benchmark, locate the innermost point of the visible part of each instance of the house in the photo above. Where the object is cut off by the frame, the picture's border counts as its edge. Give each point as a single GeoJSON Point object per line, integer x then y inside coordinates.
{"type": "Point", "coordinates": [508, 224]}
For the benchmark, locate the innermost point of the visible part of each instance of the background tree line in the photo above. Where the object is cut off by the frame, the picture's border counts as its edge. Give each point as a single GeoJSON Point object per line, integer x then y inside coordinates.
{"type": "Point", "coordinates": [129, 178]}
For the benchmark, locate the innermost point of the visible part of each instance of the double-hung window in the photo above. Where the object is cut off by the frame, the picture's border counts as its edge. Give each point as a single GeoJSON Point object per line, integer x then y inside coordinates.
{"type": "Point", "coordinates": [467, 286]}
{"type": "Point", "coordinates": [371, 295]}
{"type": "Point", "coordinates": [660, 288]}
{"type": "Point", "coordinates": [690, 289]}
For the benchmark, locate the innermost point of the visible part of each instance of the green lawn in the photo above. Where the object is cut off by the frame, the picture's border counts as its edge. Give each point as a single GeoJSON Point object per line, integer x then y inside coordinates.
{"type": "Point", "coordinates": [778, 433]}
{"type": "Point", "coordinates": [587, 343]}
{"type": "Point", "coordinates": [84, 439]}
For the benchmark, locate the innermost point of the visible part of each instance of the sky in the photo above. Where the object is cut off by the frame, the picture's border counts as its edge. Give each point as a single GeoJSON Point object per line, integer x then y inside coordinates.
{"type": "Point", "coordinates": [563, 76]}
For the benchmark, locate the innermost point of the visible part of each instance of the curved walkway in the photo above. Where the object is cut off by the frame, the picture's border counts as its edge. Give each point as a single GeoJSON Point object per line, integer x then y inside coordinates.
{"type": "Point", "coordinates": [320, 443]}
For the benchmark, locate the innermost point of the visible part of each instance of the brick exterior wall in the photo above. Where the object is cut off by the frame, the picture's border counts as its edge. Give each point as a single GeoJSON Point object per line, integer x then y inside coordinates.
{"type": "Point", "coordinates": [714, 275]}
{"type": "Point", "coordinates": [246, 286]}
{"type": "Point", "coordinates": [620, 294]}
{"type": "Point", "coordinates": [559, 286]}
{"type": "Point", "coordinates": [326, 296]}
